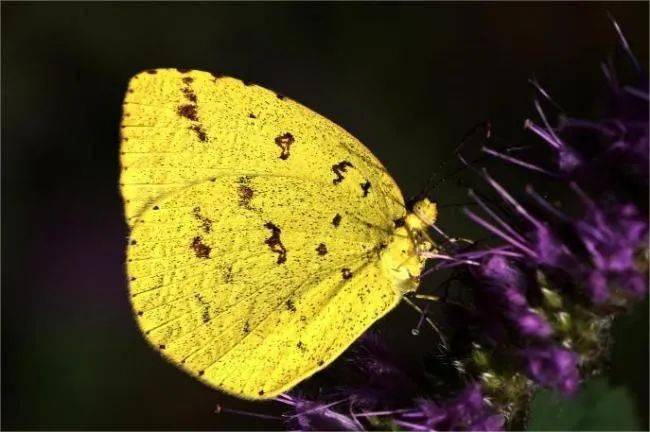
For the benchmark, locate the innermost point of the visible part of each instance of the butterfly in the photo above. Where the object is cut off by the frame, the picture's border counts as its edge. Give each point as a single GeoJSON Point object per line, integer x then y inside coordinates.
{"type": "Point", "coordinates": [264, 239]}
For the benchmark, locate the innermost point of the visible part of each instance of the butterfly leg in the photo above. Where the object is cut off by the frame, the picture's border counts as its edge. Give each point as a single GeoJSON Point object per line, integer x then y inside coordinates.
{"type": "Point", "coordinates": [425, 318]}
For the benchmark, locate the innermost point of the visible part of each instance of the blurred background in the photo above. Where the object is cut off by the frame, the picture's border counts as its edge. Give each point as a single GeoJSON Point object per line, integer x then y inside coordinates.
{"type": "Point", "coordinates": [409, 80]}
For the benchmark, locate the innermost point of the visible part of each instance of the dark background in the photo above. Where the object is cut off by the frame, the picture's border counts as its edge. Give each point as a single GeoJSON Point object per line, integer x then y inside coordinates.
{"type": "Point", "coordinates": [407, 79]}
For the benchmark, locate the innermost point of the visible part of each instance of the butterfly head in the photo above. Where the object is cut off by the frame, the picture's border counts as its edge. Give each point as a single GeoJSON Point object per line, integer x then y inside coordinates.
{"type": "Point", "coordinates": [405, 255]}
{"type": "Point", "coordinates": [424, 214]}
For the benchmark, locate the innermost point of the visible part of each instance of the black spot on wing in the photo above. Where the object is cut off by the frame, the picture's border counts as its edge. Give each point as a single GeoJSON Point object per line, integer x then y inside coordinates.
{"type": "Point", "coordinates": [251, 115]}
{"type": "Point", "coordinates": [188, 80]}
{"type": "Point", "coordinates": [365, 187]}
{"type": "Point", "coordinates": [274, 242]}
{"type": "Point", "coordinates": [152, 71]}
{"type": "Point", "coordinates": [181, 70]}
{"type": "Point", "coordinates": [338, 169]}
{"type": "Point", "coordinates": [321, 249]}
{"type": "Point", "coordinates": [247, 327]}
{"type": "Point", "coordinates": [346, 273]}
{"type": "Point", "coordinates": [284, 142]}
{"type": "Point", "coordinates": [399, 222]}
{"type": "Point", "coordinates": [337, 220]}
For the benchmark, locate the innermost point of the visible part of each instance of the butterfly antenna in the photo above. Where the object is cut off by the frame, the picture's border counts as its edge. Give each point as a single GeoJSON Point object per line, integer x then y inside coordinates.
{"type": "Point", "coordinates": [432, 183]}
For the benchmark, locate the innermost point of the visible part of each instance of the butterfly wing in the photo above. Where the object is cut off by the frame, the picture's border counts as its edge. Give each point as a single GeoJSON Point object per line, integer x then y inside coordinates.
{"type": "Point", "coordinates": [256, 227]}
{"type": "Point", "coordinates": [182, 127]}
{"type": "Point", "coordinates": [251, 288]}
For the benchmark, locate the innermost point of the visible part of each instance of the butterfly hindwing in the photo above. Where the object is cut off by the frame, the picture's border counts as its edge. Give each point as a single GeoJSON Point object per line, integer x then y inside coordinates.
{"type": "Point", "coordinates": [250, 289]}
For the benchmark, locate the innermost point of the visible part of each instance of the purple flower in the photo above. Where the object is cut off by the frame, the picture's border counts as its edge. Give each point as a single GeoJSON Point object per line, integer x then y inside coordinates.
{"type": "Point", "coordinates": [468, 411]}
{"type": "Point", "coordinates": [609, 156]}
{"type": "Point", "coordinates": [553, 367]}
{"type": "Point", "coordinates": [597, 251]}
{"type": "Point", "coordinates": [613, 238]}
{"type": "Point", "coordinates": [531, 324]}
{"type": "Point", "coordinates": [609, 159]}
{"type": "Point", "coordinates": [312, 415]}
{"type": "Point", "coordinates": [502, 288]}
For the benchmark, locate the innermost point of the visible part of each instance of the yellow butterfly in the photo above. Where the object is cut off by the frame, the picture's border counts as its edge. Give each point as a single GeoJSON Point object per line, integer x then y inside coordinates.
{"type": "Point", "coordinates": [264, 239]}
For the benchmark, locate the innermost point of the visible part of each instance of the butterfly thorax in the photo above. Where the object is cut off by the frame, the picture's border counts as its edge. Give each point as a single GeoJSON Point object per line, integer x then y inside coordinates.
{"type": "Point", "coordinates": [403, 256]}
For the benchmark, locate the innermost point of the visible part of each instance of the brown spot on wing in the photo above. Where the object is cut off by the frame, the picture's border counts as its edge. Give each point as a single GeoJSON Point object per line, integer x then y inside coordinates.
{"type": "Point", "coordinates": [321, 249]}
{"type": "Point", "coordinates": [188, 111]}
{"type": "Point", "coordinates": [290, 306]}
{"type": "Point", "coordinates": [200, 249]}
{"type": "Point", "coordinates": [188, 80]}
{"type": "Point", "coordinates": [189, 94]}
{"type": "Point", "coordinates": [152, 71]}
{"type": "Point", "coordinates": [251, 115]}
{"type": "Point", "coordinates": [227, 276]}
{"type": "Point", "coordinates": [275, 243]}
{"type": "Point", "coordinates": [399, 222]}
{"type": "Point", "coordinates": [181, 70]}
{"type": "Point", "coordinates": [205, 313]}
{"type": "Point", "coordinates": [216, 75]}
{"type": "Point", "coordinates": [365, 187]}
{"type": "Point", "coordinates": [206, 223]}
{"type": "Point", "coordinates": [347, 274]}
{"type": "Point", "coordinates": [281, 96]}
{"type": "Point", "coordinates": [337, 220]}
{"type": "Point", "coordinates": [340, 168]}
{"type": "Point", "coordinates": [245, 193]}
{"type": "Point", "coordinates": [247, 327]}
{"type": "Point", "coordinates": [200, 133]}
{"type": "Point", "coordinates": [284, 142]}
